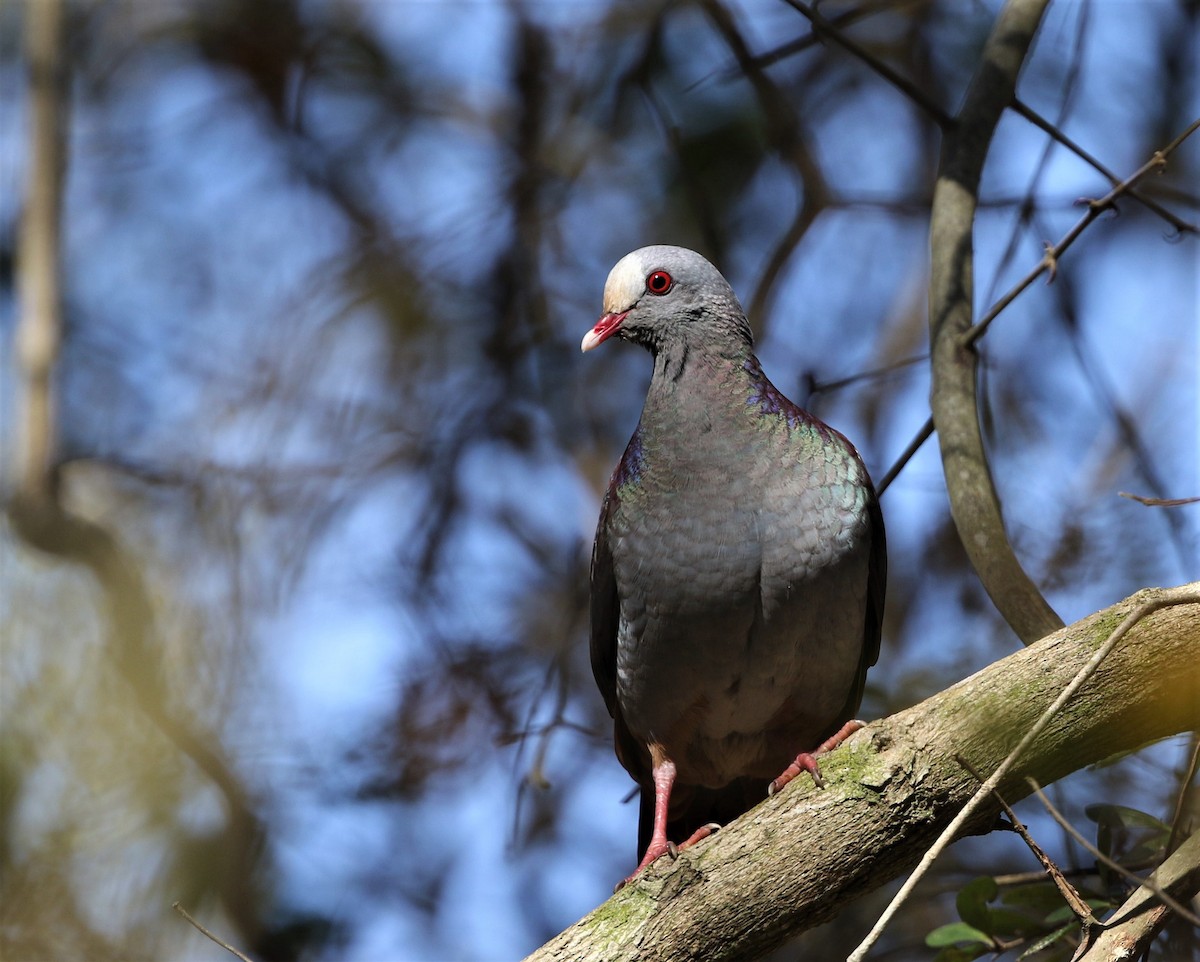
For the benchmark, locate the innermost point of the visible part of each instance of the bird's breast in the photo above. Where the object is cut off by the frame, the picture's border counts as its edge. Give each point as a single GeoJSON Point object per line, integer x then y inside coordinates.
{"type": "Point", "coordinates": [741, 609]}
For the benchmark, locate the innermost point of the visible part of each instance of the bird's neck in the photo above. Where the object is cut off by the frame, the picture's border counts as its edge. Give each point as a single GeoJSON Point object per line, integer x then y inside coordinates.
{"type": "Point", "coordinates": [693, 391]}
{"type": "Point", "coordinates": [688, 367]}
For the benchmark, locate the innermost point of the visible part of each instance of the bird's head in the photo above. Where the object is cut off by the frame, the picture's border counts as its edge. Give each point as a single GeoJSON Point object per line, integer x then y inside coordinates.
{"type": "Point", "coordinates": [662, 296]}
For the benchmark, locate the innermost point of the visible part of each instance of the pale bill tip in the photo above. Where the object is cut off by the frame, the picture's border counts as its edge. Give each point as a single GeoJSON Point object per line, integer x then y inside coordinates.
{"type": "Point", "coordinates": [590, 340]}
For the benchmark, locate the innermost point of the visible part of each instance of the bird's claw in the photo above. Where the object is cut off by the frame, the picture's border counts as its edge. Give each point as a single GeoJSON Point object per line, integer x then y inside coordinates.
{"type": "Point", "coordinates": [807, 761]}
{"type": "Point", "coordinates": [673, 850]}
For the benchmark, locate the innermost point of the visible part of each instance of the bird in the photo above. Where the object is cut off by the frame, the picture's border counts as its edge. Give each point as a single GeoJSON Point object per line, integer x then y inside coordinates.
{"type": "Point", "coordinates": [739, 566]}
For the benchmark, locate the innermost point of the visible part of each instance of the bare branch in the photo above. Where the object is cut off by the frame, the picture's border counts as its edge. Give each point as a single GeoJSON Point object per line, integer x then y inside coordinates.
{"type": "Point", "coordinates": [1136, 923]}
{"type": "Point", "coordinates": [1049, 262]}
{"type": "Point", "coordinates": [1100, 857]}
{"type": "Point", "coordinates": [209, 934]}
{"type": "Point", "coordinates": [973, 501]}
{"type": "Point", "coordinates": [1187, 595]}
{"type": "Point", "coordinates": [822, 26]}
{"type": "Point", "coordinates": [1070, 894]}
{"type": "Point", "coordinates": [39, 330]}
{"type": "Point", "coordinates": [906, 455]}
{"type": "Point", "coordinates": [787, 135]}
{"type": "Point", "coordinates": [1187, 785]}
{"type": "Point", "coordinates": [1158, 502]}
{"type": "Point", "coordinates": [813, 38]}
{"type": "Point", "coordinates": [1181, 226]}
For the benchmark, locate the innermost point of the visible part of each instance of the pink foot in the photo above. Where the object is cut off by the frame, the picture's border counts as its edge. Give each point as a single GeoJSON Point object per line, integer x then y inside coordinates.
{"type": "Point", "coordinates": [701, 833]}
{"type": "Point", "coordinates": [807, 761]}
{"type": "Point", "coordinates": [656, 850]}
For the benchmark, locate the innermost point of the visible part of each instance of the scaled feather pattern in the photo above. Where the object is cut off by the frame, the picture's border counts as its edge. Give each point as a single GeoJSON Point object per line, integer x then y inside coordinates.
{"type": "Point", "coordinates": [738, 571]}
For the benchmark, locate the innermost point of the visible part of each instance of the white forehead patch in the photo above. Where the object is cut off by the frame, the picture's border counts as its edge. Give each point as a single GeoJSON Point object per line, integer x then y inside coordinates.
{"type": "Point", "coordinates": [626, 283]}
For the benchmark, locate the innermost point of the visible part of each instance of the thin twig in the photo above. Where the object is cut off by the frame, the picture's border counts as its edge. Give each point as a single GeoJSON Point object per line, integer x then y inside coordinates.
{"type": "Point", "coordinates": [1028, 206]}
{"type": "Point", "coordinates": [868, 375]}
{"type": "Point", "coordinates": [1116, 866]}
{"type": "Point", "coordinates": [901, 83]}
{"type": "Point", "coordinates": [906, 455]}
{"type": "Point", "coordinates": [1158, 502]}
{"type": "Point", "coordinates": [1181, 226]}
{"type": "Point", "coordinates": [1025, 878]}
{"type": "Point", "coordinates": [786, 134]}
{"type": "Point", "coordinates": [208, 934]}
{"type": "Point", "coordinates": [1129, 931]}
{"type": "Point", "coordinates": [1129, 426]}
{"type": "Point", "coordinates": [1095, 208]}
{"type": "Point", "coordinates": [1070, 894]}
{"type": "Point", "coordinates": [800, 44]}
{"type": "Point", "coordinates": [1165, 599]}
{"type": "Point", "coordinates": [1186, 788]}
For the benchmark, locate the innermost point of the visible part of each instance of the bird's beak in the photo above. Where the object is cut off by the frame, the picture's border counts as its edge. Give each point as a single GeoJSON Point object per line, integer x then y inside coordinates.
{"type": "Point", "coordinates": [605, 328]}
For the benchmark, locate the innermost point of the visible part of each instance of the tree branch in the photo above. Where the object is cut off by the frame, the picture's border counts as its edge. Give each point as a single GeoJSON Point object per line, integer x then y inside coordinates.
{"type": "Point", "coordinates": [1111, 863]}
{"type": "Point", "coordinates": [1136, 923]}
{"type": "Point", "coordinates": [822, 26]}
{"type": "Point", "coordinates": [973, 501]}
{"type": "Point", "coordinates": [796, 859]}
{"type": "Point", "coordinates": [1161, 599]}
{"type": "Point", "coordinates": [1179, 224]}
{"type": "Point", "coordinates": [39, 328]}
{"type": "Point", "coordinates": [33, 509]}
{"type": "Point", "coordinates": [1049, 263]}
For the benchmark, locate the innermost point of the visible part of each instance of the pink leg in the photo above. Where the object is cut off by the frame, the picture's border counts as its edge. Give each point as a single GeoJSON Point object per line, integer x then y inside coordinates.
{"type": "Point", "coordinates": [664, 778]}
{"type": "Point", "coordinates": [807, 761]}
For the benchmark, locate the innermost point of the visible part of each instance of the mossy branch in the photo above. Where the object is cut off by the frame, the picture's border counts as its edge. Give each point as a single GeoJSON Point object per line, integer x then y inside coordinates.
{"type": "Point", "coordinates": [796, 859]}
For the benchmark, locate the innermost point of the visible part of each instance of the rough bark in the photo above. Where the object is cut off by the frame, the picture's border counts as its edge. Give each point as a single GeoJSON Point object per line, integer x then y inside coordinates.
{"type": "Point", "coordinates": [974, 504]}
{"type": "Point", "coordinates": [793, 861]}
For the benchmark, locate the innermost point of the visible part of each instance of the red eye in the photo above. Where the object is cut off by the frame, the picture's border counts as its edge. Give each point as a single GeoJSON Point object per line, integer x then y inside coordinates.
{"type": "Point", "coordinates": [659, 282]}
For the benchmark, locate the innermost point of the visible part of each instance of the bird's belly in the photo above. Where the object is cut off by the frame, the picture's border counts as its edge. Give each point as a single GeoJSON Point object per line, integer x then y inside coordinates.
{"type": "Point", "coordinates": [733, 675]}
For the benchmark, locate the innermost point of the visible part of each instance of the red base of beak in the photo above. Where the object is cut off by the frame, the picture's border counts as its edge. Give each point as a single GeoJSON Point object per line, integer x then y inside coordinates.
{"type": "Point", "coordinates": [605, 328]}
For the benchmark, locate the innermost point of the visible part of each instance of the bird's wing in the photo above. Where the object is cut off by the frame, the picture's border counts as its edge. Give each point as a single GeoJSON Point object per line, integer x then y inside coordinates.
{"type": "Point", "coordinates": [605, 611]}
{"type": "Point", "coordinates": [876, 587]}
{"type": "Point", "coordinates": [605, 620]}
{"type": "Point", "coordinates": [873, 620]}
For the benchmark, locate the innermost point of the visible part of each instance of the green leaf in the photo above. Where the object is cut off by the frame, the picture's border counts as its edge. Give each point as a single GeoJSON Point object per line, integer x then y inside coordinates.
{"type": "Point", "coordinates": [1008, 922]}
{"type": "Point", "coordinates": [955, 933]}
{"type": "Point", "coordinates": [1121, 816]}
{"type": "Point", "coordinates": [1038, 898]}
{"type": "Point", "coordinates": [1119, 822]}
{"type": "Point", "coordinates": [972, 902]}
{"type": "Point", "coordinates": [1148, 848]}
{"type": "Point", "coordinates": [1104, 843]}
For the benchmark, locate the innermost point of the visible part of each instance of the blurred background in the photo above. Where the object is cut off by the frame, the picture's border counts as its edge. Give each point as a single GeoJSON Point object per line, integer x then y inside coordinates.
{"type": "Point", "coordinates": [325, 269]}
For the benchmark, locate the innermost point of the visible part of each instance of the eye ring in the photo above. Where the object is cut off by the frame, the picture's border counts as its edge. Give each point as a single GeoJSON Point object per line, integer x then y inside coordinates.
{"type": "Point", "coordinates": [659, 283]}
